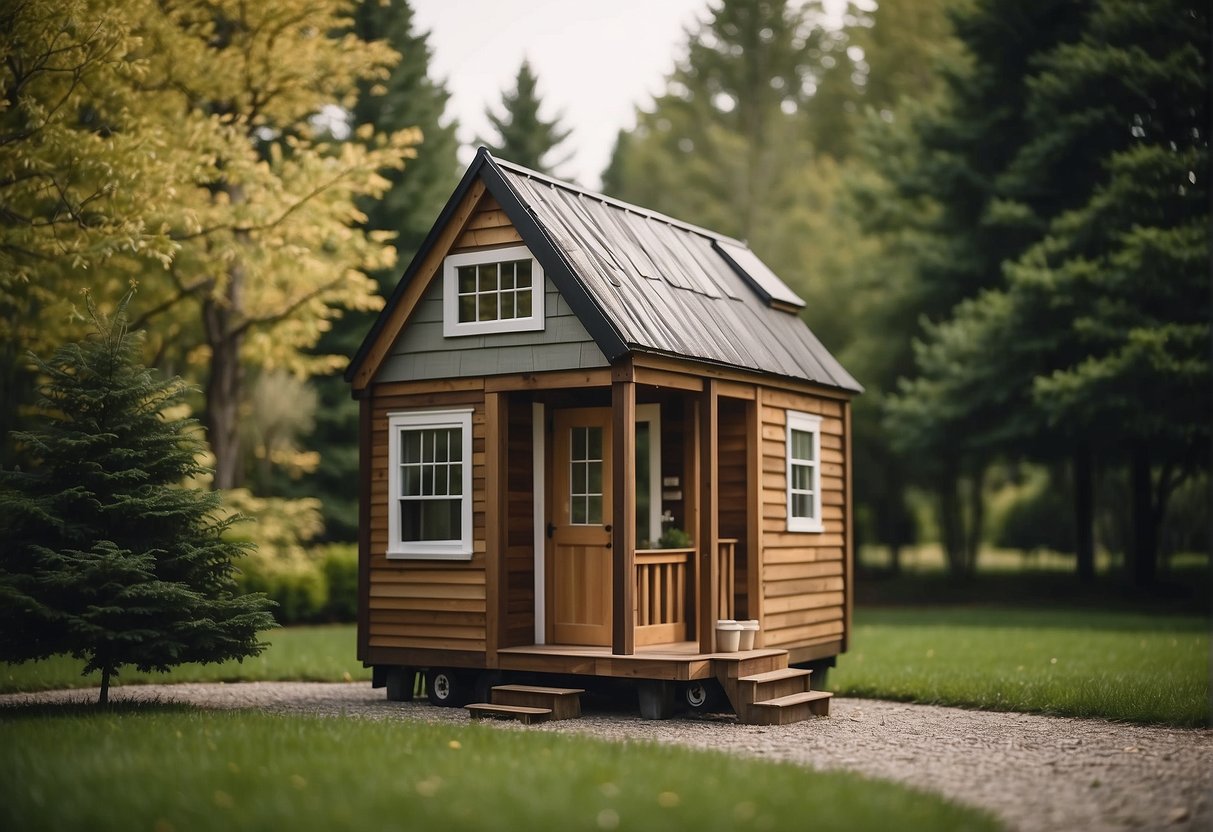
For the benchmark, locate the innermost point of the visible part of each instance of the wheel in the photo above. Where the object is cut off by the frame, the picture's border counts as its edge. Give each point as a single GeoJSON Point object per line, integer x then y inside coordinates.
{"type": "Point", "coordinates": [702, 695]}
{"type": "Point", "coordinates": [400, 683]}
{"type": "Point", "coordinates": [446, 688]}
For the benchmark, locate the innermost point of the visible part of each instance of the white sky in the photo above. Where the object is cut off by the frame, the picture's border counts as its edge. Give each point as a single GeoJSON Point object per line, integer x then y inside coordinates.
{"type": "Point", "coordinates": [595, 61]}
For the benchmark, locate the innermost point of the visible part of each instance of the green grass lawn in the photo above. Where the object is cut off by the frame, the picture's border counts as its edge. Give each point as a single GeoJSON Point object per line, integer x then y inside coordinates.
{"type": "Point", "coordinates": [1124, 666]}
{"type": "Point", "coordinates": [319, 654]}
{"type": "Point", "coordinates": [168, 769]}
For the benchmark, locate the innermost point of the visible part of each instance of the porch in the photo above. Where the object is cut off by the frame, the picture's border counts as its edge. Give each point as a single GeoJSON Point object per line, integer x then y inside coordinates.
{"type": "Point", "coordinates": [658, 450]}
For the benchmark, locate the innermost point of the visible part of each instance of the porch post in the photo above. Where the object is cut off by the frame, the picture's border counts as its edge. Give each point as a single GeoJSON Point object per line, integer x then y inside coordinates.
{"type": "Point", "coordinates": [623, 509]}
{"type": "Point", "coordinates": [709, 517]}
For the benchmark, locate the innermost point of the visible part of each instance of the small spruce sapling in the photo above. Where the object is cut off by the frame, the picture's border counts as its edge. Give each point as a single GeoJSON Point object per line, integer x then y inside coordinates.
{"type": "Point", "coordinates": [108, 556]}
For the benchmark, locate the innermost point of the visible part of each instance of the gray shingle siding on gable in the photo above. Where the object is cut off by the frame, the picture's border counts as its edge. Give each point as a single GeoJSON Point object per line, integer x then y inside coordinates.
{"type": "Point", "coordinates": [422, 352]}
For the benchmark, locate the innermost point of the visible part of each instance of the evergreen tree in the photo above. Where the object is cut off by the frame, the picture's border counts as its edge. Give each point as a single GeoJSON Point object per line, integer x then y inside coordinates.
{"type": "Point", "coordinates": [523, 136]}
{"type": "Point", "coordinates": [108, 557]}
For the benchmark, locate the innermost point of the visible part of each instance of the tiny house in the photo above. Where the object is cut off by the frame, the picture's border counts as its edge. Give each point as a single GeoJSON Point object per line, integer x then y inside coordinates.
{"type": "Point", "coordinates": [589, 432]}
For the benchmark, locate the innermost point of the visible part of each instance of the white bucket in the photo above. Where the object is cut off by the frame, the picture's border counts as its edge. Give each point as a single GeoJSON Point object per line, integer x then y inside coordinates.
{"type": "Point", "coordinates": [749, 631]}
{"type": "Point", "coordinates": [728, 636]}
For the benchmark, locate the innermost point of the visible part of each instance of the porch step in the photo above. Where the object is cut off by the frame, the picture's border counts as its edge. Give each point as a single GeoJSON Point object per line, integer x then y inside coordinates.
{"type": "Point", "coordinates": [774, 684]}
{"type": "Point", "coordinates": [793, 708]}
{"type": "Point", "coordinates": [749, 663]}
{"type": "Point", "coordinates": [525, 715]}
{"type": "Point", "coordinates": [562, 703]}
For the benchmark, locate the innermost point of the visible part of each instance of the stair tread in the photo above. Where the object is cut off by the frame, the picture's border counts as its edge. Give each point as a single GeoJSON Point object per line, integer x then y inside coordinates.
{"type": "Point", "coordinates": [742, 655]}
{"type": "Point", "coordinates": [776, 675]}
{"type": "Point", "coordinates": [793, 699]}
{"type": "Point", "coordinates": [539, 689]}
{"type": "Point", "coordinates": [506, 709]}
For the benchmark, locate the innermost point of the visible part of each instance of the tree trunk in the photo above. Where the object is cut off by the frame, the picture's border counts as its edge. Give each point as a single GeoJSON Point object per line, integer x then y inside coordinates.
{"type": "Point", "coordinates": [1084, 512]}
{"type": "Point", "coordinates": [1145, 530]}
{"type": "Point", "coordinates": [951, 520]}
{"type": "Point", "coordinates": [976, 519]}
{"type": "Point", "coordinates": [223, 393]}
{"type": "Point", "coordinates": [106, 672]}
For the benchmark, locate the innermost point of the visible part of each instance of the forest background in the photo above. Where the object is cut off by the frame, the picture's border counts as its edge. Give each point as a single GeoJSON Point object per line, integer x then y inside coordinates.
{"type": "Point", "coordinates": [997, 212]}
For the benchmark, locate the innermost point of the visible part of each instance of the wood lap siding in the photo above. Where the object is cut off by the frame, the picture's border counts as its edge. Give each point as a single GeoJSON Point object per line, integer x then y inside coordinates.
{"type": "Point", "coordinates": [519, 562]}
{"type": "Point", "coordinates": [803, 573]}
{"type": "Point", "coordinates": [426, 603]}
{"type": "Point", "coordinates": [731, 467]}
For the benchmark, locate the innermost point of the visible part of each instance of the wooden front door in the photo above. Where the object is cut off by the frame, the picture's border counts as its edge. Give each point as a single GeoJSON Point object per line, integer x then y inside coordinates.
{"type": "Point", "coordinates": [579, 554]}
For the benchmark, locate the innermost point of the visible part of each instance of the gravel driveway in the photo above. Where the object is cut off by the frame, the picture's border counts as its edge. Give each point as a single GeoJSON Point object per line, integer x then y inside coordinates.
{"type": "Point", "coordinates": [1034, 772]}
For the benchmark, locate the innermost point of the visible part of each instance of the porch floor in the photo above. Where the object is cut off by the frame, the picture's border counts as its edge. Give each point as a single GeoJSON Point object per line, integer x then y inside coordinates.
{"type": "Point", "coordinates": [680, 661]}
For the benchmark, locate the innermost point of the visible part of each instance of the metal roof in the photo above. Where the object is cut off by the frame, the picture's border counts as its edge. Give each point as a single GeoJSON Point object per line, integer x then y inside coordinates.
{"type": "Point", "coordinates": [644, 282]}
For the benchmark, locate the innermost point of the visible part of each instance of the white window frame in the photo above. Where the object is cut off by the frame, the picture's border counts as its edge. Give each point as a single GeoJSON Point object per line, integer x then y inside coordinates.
{"type": "Point", "coordinates": [451, 325]}
{"type": "Point", "coordinates": [456, 549]}
{"type": "Point", "coordinates": [810, 424]}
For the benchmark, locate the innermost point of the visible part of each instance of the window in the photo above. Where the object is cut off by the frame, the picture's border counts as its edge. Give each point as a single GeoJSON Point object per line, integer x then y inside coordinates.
{"type": "Point", "coordinates": [804, 472]}
{"type": "Point", "coordinates": [585, 476]}
{"type": "Point", "coordinates": [492, 291]}
{"type": "Point", "coordinates": [430, 484]}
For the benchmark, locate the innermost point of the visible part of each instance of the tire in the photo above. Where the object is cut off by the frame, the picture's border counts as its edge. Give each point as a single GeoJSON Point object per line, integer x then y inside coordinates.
{"type": "Point", "coordinates": [702, 695]}
{"type": "Point", "coordinates": [447, 688]}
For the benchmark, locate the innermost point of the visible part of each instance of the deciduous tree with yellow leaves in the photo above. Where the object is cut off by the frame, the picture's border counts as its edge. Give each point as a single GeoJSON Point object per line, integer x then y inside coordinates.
{"type": "Point", "coordinates": [181, 143]}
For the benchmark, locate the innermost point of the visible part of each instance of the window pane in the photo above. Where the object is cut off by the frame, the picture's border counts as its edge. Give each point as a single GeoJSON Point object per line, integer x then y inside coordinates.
{"type": "Point", "coordinates": [595, 475]}
{"type": "Point", "coordinates": [579, 443]}
{"type": "Point", "coordinates": [467, 309]}
{"type": "Point", "coordinates": [456, 444]}
{"type": "Point", "coordinates": [488, 277]}
{"type": "Point", "coordinates": [577, 478]}
{"type": "Point", "coordinates": [440, 519]}
{"type": "Point", "coordinates": [577, 511]}
{"type": "Point", "coordinates": [595, 448]}
{"type": "Point", "coordinates": [508, 306]}
{"type": "Point", "coordinates": [801, 480]}
{"type": "Point", "coordinates": [410, 446]}
{"type": "Point", "coordinates": [593, 512]}
{"type": "Point", "coordinates": [440, 483]}
{"type": "Point", "coordinates": [467, 279]}
{"type": "Point", "coordinates": [456, 479]}
{"type": "Point", "coordinates": [507, 275]}
{"type": "Point", "coordinates": [488, 307]}
{"type": "Point", "coordinates": [524, 303]}
{"type": "Point", "coordinates": [410, 485]}
{"type": "Point", "coordinates": [522, 268]}
{"type": "Point", "coordinates": [802, 444]}
{"type": "Point", "coordinates": [801, 505]}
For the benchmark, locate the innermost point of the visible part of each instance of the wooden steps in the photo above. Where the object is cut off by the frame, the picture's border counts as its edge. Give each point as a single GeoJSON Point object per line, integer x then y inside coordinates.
{"type": "Point", "coordinates": [765, 691]}
{"type": "Point", "coordinates": [525, 715]}
{"type": "Point", "coordinates": [792, 708]}
{"type": "Point", "coordinates": [529, 704]}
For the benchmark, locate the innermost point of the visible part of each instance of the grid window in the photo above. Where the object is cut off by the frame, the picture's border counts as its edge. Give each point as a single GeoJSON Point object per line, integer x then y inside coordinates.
{"type": "Point", "coordinates": [585, 476]}
{"type": "Point", "coordinates": [497, 290]}
{"type": "Point", "coordinates": [430, 507]}
{"type": "Point", "coordinates": [804, 472]}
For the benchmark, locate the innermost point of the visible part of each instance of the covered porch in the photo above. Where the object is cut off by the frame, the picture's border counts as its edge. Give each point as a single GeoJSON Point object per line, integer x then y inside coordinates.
{"type": "Point", "coordinates": [681, 451]}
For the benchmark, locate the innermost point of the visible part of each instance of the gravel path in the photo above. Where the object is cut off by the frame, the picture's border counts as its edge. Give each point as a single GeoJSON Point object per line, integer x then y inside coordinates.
{"type": "Point", "coordinates": [1034, 772]}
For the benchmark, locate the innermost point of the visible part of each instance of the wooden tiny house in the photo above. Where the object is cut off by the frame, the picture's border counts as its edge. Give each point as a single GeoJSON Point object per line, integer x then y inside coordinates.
{"type": "Point", "coordinates": [559, 381]}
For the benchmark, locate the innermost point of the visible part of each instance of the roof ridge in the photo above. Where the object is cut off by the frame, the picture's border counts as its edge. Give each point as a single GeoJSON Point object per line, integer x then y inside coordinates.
{"type": "Point", "coordinates": [521, 170]}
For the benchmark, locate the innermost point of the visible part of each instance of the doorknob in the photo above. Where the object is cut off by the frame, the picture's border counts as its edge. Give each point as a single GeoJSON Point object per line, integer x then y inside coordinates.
{"type": "Point", "coordinates": [607, 528]}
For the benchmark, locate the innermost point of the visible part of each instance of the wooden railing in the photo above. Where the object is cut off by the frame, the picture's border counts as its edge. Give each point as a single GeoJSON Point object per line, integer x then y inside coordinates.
{"type": "Point", "coordinates": [662, 578]}
{"type": "Point", "coordinates": [664, 583]}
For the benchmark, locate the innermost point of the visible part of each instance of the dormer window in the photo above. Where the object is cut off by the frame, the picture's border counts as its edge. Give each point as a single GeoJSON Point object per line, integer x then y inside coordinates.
{"type": "Point", "coordinates": [500, 290]}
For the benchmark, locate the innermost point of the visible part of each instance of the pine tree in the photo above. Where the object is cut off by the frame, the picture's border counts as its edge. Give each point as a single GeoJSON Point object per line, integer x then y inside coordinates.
{"type": "Point", "coordinates": [108, 556]}
{"type": "Point", "coordinates": [523, 135]}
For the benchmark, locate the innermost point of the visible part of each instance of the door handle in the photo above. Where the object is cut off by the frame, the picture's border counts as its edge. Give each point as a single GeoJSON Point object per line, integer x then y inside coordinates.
{"type": "Point", "coordinates": [607, 528]}
{"type": "Point", "coordinates": [551, 530]}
